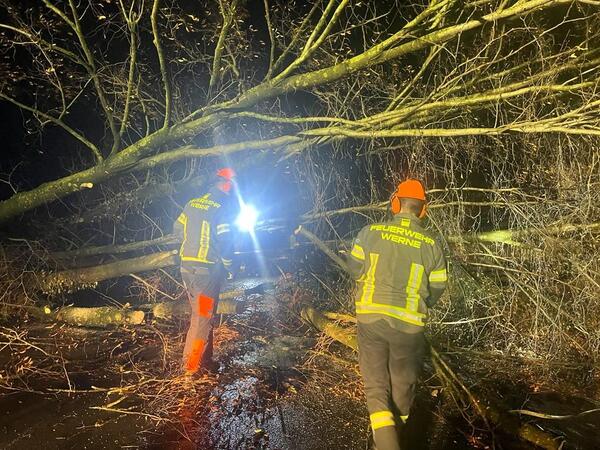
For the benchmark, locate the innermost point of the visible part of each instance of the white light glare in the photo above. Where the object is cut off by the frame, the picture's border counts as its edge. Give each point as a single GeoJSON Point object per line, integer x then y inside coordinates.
{"type": "Point", "coordinates": [246, 220]}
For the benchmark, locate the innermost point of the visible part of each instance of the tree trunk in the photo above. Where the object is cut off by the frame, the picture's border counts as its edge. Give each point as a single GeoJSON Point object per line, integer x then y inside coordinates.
{"type": "Point", "coordinates": [99, 317]}
{"type": "Point", "coordinates": [72, 280]}
{"type": "Point", "coordinates": [107, 316]}
{"type": "Point", "coordinates": [173, 310]}
{"type": "Point", "coordinates": [169, 239]}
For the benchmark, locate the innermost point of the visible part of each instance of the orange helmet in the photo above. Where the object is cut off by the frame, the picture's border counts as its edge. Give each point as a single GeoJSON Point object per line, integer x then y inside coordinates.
{"type": "Point", "coordinates": [226, 176]}
{"type": "Point", "coordinates": [226, 172]}
{"type": "Point", "coordinates": [410, 188]}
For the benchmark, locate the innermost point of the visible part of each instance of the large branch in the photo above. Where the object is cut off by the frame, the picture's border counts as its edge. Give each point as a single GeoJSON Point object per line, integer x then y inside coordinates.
{"type": "Point", "coordinates": [162, 63]}
{"type": "Point", "coordinates": [74, 279]}
{"type": "Point", "coordinates": [380, 53]}
{"type": "Point", "coordinates": [108, 316]}
{"type": "Point", "coordinates": [131, 158]}
{"type": "Point", "coordinates": [115, 249]}
{"type": "Point", "coordinates": [228, 13]}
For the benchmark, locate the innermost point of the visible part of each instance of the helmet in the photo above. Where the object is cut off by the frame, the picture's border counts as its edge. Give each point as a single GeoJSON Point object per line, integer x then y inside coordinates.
{"type": "Point", "coordinates": [410, 188]}
{"type": "Point", "coordinates": [226, 172]}
{"type": "Point", "coordinates": [225, 178]}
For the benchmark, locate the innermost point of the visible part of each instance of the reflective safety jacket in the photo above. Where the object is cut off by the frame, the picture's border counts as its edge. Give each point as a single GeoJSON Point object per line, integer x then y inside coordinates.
{"type": "Point", "coordinates": [400, 271]}
{"type": "Point", "coordinates": [205, 231]}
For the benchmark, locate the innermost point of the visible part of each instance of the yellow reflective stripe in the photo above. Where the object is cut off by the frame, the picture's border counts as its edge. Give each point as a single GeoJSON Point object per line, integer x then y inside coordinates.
{"type": "Point", "coordinates": [223, 228]}
{"type": "Point", "coordinates": [405, 222]}
{"type": "Point", "coordinates": [404, 418]}
{"type": "Point", "coordinates": [412, 317]}
{"type": "Point", "coordinates": [204, 241]}
{"type": "Point", "coordinates": [227, 262]}
{"type": "Point", "coordinates": [182, 219]}
{"type": "Point", "coordinates": [184, 237]}
{"type": "Point", "coordinates": [193, 258]}
{"type": "Point", "coordinates": [358, 252]}
{"type": "Point", "coordinates": [382, 419]}
{"type": "Point", "coordinates": [369, 280]}
{"type": "Point", "coordinates": [438, 276]}
{"type": "Point", "coordinates": [415, 279]}
{"type": "Point", "coordinates": [380, 414]}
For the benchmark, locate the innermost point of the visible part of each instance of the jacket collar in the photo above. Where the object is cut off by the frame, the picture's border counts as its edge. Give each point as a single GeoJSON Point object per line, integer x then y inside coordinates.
{"type": "Point", "coordinates": [398, 218]}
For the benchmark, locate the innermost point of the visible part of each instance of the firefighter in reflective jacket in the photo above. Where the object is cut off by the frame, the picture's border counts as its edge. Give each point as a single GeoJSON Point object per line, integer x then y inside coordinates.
{"type": "Point", "coordinates": [206, 257]}
{"type": "Point", "coordinates": [401, 273]}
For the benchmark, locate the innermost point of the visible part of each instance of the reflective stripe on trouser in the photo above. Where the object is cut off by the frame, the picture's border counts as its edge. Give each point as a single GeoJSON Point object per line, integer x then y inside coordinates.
{"type": "Point", "coordinates": [390, 361]}
{"type": "Point", "coordinates": [203, 286]}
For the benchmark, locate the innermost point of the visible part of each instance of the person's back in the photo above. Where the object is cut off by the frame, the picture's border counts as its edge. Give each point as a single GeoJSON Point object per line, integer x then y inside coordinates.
{"type": "Point", "coordinates": [400, 272]}
{"type": "Point", "coordinates": [206, 255]}
{"type": "Point", "coordinates": [204, 228]}
{"type": "Point", "coordinates": [402, 264]}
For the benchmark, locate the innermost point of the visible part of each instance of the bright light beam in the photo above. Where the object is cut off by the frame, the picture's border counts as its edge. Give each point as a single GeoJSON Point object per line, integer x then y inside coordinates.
{"type": "Point", "coordinates": [247, 217]}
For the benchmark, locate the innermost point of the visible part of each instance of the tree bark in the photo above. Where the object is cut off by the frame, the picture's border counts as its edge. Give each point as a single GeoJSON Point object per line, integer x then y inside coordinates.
{"type": "Point", "coordinates": [71, 280]}
{"type": "Point", "coordinates": [107, 316]}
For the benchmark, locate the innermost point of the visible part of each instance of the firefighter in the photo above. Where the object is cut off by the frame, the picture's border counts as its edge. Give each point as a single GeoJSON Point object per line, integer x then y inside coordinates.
{"type": "Point", "coordinates": [401, 273]}
{"type": "Point", "coordinates": [206, 259]}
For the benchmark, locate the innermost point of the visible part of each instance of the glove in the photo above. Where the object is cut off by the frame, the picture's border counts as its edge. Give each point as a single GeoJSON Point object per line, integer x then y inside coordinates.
{"type": "Point", "coordinates": [230, 276]}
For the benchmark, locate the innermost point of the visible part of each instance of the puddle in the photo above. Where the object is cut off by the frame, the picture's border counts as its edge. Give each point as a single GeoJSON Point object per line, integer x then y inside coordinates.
{"type": "Point", "coordinates": [281, 352]}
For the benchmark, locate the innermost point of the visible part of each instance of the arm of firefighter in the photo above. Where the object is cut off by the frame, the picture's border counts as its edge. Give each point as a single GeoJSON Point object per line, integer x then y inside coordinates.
{"type": "Point", "coordinates": [438, 278]}
{"type": "Point", "coordinates": [356, 261]}
{"type": "Point", "coordinates": [179, 226]}
{"type": "Point", "coordinates": [225, 244]}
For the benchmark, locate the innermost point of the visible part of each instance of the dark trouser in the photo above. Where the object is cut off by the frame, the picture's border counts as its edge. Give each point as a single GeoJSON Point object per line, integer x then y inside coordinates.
{"type": "Point", "coordinates": [390, 362]}
{"type": "Point", "coordinates": [203, 287]}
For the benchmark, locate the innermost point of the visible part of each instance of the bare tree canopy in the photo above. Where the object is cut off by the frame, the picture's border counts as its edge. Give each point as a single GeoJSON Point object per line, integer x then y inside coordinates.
{"type": "Point", "coordinates": [160, 77]}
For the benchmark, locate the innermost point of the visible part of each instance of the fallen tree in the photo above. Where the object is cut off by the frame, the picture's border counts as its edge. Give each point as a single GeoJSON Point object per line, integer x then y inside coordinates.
{"type": "Point", "coordinates": [147, 132]}
{"type": "Point", "coordinates": [74, 279]}
{"type": "Point", "coordinates": [105, 316]}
